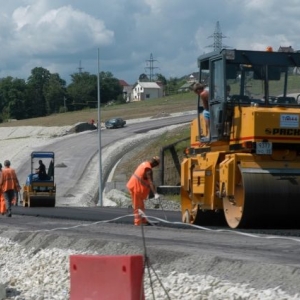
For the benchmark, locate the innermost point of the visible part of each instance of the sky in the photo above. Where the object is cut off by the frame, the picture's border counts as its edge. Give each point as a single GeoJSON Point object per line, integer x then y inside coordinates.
{"type": "Point", "coordinates": [66, 36]}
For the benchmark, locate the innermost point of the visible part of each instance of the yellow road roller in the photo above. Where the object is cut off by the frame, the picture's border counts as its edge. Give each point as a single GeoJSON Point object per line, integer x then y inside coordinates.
{"type": "Point", "coordinates": [244, 169]}
{"type": "Point", "coordinates": [40, 188]}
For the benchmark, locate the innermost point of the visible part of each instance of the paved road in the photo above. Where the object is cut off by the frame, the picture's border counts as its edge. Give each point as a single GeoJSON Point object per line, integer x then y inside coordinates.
{"type": "Point", "coordinates": [224, 242]}
{"type": "Point", "coordinates": [77, 151]}
{"type": "Point", "coordinates": [119, 215]}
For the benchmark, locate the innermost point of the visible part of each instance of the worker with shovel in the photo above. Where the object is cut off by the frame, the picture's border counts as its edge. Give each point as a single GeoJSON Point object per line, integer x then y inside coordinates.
{"type": "Point", "coordinates": [139, 185]}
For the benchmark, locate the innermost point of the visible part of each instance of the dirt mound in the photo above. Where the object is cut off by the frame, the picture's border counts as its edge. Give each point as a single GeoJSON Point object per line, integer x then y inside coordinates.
{"type": "Point", "coordinates": [80, 127]}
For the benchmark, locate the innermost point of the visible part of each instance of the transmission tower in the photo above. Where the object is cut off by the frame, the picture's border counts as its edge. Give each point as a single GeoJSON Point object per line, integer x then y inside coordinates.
{"type": "Point", "coordinates": [80, 68]}
{"type": "Point", "coordinates": [218, 38]}
{"type": "Point", "coordinates": [150, 67]}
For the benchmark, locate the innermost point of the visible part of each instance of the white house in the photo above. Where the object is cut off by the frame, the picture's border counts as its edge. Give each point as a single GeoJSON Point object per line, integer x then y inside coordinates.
{"type": "Point", "coordinates": [146, 91]}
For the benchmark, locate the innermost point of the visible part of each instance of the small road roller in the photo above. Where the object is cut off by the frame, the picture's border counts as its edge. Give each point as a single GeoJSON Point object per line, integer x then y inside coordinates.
{"type": "Point", "coordinates": [242, 167]}
{"type": "Point", "coordinates": [40, 189]}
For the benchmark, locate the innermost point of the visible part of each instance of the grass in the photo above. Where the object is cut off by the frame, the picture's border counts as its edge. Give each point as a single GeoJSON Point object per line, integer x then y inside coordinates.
{"type": "Point", "coordinates": [132, 110]}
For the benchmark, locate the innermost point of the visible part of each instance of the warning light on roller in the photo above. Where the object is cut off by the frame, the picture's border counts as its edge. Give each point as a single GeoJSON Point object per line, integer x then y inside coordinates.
{"type": "Point", "coordinates": [269, 49]}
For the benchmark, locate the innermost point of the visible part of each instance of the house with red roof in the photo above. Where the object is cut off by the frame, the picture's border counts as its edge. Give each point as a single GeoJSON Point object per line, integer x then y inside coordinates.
{"type": "Point", "coordinates": [127, 90]}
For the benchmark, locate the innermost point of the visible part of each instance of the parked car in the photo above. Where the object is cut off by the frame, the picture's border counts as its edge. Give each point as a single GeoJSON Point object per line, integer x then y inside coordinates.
{"type": "Point", "coordinates": [115, 123]}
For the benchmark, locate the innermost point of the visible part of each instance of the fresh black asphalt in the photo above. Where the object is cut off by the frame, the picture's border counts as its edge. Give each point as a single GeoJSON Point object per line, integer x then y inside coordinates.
{"type": "Point", "coordinates": [93, 214]}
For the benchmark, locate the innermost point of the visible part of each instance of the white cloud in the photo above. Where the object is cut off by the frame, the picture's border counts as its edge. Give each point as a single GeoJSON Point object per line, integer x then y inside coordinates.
{"type": "Point", "coordinates": [58, 34]}
{"type": "Point", "coordinates": [59, 31]}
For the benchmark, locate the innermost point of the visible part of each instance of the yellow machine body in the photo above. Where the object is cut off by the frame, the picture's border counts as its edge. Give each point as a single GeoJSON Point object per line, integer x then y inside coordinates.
{"type": "Point", "coordinates": [275, 124]}
{"type": "Point", "coordinates": [247, 174]}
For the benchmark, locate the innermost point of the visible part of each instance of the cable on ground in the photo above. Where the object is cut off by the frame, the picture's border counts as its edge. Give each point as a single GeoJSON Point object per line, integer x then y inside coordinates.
{"type": "Point", "coordinates": [154, 221]}
{"type": "Point", "coordinates": [148, 266]}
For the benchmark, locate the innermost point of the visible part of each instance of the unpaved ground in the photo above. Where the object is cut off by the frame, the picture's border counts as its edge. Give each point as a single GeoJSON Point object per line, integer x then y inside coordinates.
{"type": "Point", "coordinates": [259, 262]}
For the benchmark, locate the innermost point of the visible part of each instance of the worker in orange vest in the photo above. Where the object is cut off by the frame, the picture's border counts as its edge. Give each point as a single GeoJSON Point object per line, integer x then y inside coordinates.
{"type": "Point", "coordinates": [2, 201]}
{"type": "Point", "coordinates": [9, 184]}
{"type": "Point", "coordinates": [139, 185]}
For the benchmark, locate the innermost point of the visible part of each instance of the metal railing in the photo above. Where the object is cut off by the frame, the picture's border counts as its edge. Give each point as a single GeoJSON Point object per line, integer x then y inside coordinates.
{"type": "Point", "coordinates": [175, 159]}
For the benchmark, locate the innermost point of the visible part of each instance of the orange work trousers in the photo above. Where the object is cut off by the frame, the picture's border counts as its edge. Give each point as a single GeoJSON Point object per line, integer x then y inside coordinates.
{"type": "Point", "coordinates": [138, 204]}
{"type": "Point", "coordinates": [2, 204]}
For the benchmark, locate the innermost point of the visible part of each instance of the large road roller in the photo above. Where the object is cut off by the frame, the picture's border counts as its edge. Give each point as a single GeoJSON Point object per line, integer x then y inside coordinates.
{"type": "Point", "coordinates": [40, 188]}
{"type": "Point", "coordinates": [244, 169]}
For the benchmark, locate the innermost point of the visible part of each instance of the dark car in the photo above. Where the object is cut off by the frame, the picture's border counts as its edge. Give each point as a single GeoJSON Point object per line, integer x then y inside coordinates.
{"type": "Point", "coordinates": [115, 123]}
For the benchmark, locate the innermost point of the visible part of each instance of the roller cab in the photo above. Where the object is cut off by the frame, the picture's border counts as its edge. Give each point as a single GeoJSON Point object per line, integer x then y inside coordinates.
{"type": "Point", "coordinates": [246, 173]}
{"type": "Point", "coordinates": [40, 190]}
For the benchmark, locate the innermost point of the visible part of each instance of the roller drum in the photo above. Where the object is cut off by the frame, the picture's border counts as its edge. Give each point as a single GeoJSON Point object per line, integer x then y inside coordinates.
{"type": "Point", "coordinates": [41, 201]}
{"type": "Point", "coordinates": [265, 198]}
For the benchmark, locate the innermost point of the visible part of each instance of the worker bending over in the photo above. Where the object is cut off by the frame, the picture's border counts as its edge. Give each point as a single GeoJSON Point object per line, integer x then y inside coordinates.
{"type": "Point", "coordinates": [139, 185]}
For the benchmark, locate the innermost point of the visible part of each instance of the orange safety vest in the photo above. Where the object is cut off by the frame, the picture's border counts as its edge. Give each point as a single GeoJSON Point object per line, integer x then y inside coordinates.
{"type": "Point", "coordinates": [137, 183]}
{"type": "Point", "coordinates": [2, 201]}
{"type": "Point", "coordinates": [9, 180]}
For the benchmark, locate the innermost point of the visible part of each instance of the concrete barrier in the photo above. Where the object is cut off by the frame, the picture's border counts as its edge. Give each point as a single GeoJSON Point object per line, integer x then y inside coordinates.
{"type": "Point", "coordinates": [94, 277]}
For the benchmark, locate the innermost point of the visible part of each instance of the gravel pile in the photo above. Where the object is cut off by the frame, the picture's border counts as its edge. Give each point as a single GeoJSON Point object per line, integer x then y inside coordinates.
{"type": "Point", "coordinates": [31, 274]}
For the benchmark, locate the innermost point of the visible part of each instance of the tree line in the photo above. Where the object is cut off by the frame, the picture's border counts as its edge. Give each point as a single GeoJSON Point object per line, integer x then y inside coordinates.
{"type": "Point", "coordinates": [45, 93]}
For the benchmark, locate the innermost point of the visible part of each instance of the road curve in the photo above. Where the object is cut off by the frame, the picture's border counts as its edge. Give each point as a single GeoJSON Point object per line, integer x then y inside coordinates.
{"type": "Point", "coordinates": [77, 151]}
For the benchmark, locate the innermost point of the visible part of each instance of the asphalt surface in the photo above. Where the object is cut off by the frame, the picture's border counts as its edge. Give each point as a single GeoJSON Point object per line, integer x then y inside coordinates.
{"type": "Point", "coordinates": [77, 151]}
{"type": "Point", "coordinates": [225, 243]}
{"type": "Point", "coordinates": [93, 214]}
{"type": "Point", "coordinates": [258, 260]}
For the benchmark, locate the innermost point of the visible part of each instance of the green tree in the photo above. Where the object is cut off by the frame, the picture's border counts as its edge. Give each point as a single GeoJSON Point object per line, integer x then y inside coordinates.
{"type": "Point", "coordinates": [83, 90]}
{"type": "Point", "coordinates": [5, 86]}
{"type": "Point", "coordinates": [173, 84]}
{"type": "Point", "coordinates": [36, 106]}
{"type": "Point", "coordinates": [161, 78]}
{"type": "Point", "coordinates": [54, 93]}
{"type": "Point", "coordinates": [17, 99]}
{"type": "Point", "coordinates": [12, 98]}
{"type": "Point", "coordinates": [110, 88]}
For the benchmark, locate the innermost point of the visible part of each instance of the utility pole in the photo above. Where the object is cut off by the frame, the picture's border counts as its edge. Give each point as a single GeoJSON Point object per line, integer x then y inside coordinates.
{"type": "Point", "coordinates": [151, 67]}
{"type": "Point", "coordinates": [100, 200]}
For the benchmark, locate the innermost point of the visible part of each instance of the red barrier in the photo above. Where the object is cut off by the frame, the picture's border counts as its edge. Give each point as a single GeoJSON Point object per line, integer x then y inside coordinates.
{"type": "Point", "coordinates": [95, 277]}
